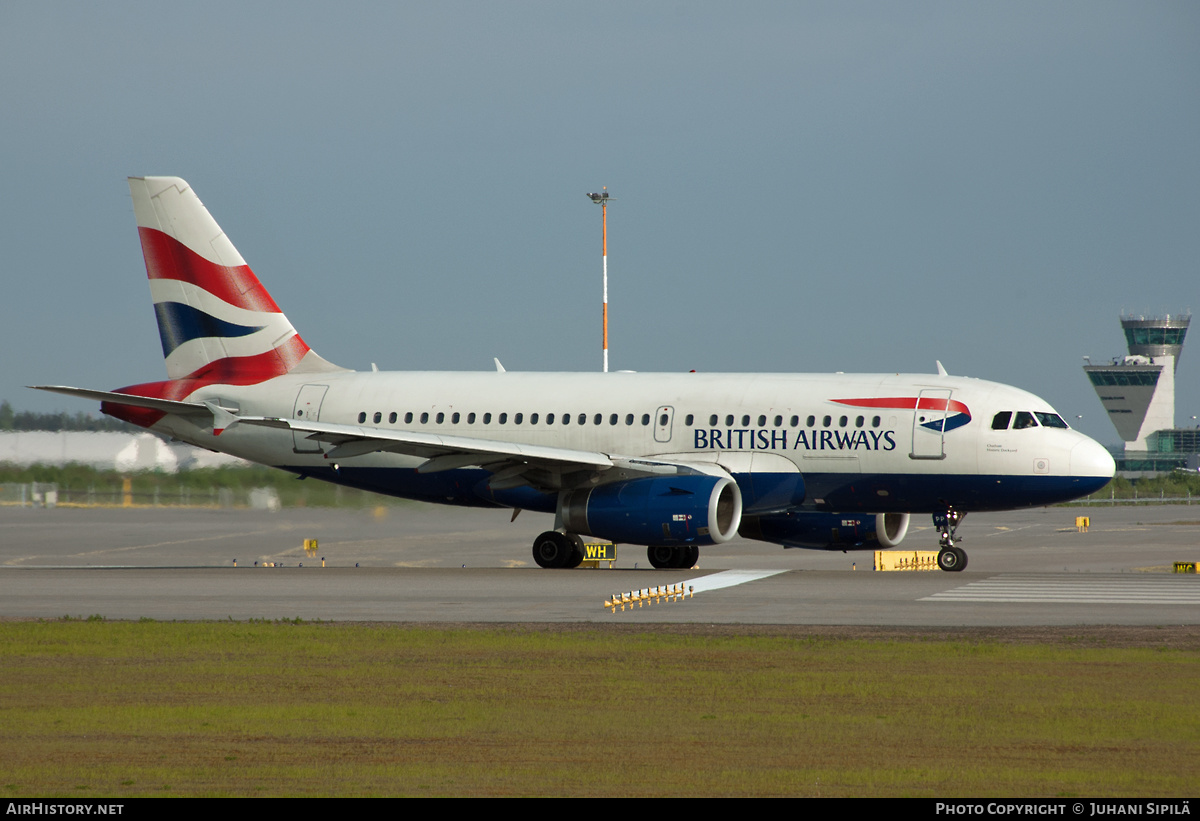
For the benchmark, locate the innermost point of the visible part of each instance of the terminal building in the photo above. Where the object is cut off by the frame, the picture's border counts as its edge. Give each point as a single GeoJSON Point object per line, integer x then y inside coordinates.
{"type": "Point", "coordinates": [1138, 391]}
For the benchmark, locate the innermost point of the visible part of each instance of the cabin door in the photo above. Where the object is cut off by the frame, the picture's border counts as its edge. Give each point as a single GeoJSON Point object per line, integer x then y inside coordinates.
{"type": "Point", "coordinates": [307, 409]}
{"type": "Point", "coordinates": [929, 424]}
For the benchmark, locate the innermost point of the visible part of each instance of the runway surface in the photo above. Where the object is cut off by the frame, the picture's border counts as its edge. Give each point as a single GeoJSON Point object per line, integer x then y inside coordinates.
{"type": "Point", "coordinates": [418, 563]}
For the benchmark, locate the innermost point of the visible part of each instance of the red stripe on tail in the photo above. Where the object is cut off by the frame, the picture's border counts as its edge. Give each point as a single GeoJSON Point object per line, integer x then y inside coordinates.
{"type": "Point", "coordinates": [167, 258]}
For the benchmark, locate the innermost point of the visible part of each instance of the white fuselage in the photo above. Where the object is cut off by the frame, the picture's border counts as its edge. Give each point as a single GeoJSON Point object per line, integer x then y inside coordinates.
{"type": "Point", "coordinates": [871, 455]}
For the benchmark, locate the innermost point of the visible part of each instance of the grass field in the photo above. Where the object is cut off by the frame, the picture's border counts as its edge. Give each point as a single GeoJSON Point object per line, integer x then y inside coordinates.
{"type": "Point", "coordinates": [110, 709]}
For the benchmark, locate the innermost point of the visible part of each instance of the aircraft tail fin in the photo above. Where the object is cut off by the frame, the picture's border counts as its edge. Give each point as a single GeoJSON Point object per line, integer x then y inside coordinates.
{"type": "Point", "coordinates": [215, 320]}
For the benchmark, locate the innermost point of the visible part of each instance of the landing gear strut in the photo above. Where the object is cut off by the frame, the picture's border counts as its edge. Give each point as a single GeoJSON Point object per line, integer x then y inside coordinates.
{"type": "Point", "coordinates": [553, 549]}
{"type": "Point", "coordinates": [949, 557]}
{"type": "Point", "coordinates": [666, 557]}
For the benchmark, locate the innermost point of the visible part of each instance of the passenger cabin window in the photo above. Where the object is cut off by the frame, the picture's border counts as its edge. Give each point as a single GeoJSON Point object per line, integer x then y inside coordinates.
{"type": "Point", "coordinates": [487, 419]}
{"type": "Point", "coordinates": [424, 418]}
{"type": "Point", "coordinates": [687, 420]}
{"type": "Point", "coordinates": [441, 417]}
{"type": "Point", "coordinates": [1024, 420]}
{"type": "Point", "coordinates": [712, 421]}
{"type": "Point", "coordinates": [408, 418]}
{"type": "Point", "coordinates": [362, 417]}
{"type": "Point", "coordinates": [1000, 421]}
{"type": "Point", "coordinates": [392, 417]}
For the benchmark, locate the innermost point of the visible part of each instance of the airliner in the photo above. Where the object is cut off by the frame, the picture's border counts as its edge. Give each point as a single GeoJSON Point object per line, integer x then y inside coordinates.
{"type": "Point", "coordinates": [673, 462]}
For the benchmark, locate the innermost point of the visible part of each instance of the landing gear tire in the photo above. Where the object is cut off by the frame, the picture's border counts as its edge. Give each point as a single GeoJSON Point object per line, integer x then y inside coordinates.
{"type": "Point", "coordinates": [662, 556]}
{"type": "Point", "coordinates": [952, 559]}
{"type": "Point", "coordinates": [576, 550]}
{"type": "Point", "coordinates": [665, 557]}
{"type": "Point", "coordinates": [553, 549]}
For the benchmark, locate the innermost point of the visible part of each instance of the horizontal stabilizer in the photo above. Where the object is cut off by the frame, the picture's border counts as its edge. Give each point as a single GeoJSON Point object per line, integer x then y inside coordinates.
{"type": "Point", "coordinates": [164, 405]}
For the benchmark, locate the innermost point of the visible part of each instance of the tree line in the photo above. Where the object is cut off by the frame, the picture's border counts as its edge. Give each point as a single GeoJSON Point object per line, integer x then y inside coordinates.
{"type": "Point", "coordinates": [11, 419]}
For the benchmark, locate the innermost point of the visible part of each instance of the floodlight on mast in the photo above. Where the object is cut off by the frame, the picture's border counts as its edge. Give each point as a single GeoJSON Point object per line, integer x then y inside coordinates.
{"type": "Point", "coordinates": [602, 199]}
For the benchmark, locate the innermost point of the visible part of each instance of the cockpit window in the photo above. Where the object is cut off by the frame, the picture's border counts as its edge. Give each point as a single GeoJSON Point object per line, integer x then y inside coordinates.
{"type": "Point", "coordinates": [1000, 420]}
{"type": "Point", "coordinates": [1050, 420]}
{"type": "Point", "coordinates": [1024, 420]}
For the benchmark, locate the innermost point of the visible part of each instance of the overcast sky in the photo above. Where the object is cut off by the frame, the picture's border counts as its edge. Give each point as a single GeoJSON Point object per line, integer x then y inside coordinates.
{"type": "Point", "coordinates": [800, 186]}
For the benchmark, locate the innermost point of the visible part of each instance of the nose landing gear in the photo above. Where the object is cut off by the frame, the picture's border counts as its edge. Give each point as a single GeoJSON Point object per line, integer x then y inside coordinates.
{"type": "Point", "coordinates": [950, 557]}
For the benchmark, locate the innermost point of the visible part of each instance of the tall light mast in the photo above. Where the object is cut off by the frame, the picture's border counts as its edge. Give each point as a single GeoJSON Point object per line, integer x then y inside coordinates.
{"type": "Point", "coordinates": [602, 200]}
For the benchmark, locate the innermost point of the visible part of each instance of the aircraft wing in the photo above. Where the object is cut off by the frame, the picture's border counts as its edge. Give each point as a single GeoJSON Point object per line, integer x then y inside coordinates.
{"type": "Point", "coordinates": [512, 463]}
{"type": "Point", "coordinates": [354, 440]}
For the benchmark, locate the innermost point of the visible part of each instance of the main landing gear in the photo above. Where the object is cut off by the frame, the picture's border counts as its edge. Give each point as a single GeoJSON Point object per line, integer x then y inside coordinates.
{"type": "Point", "coordinates": [557, 550]}
{"type": "Point", "coordinates": [949, 557]}
{"type": "Point", "coordinates": [554, 549]}
{"type": "Point", "coordinates": [665, 557]}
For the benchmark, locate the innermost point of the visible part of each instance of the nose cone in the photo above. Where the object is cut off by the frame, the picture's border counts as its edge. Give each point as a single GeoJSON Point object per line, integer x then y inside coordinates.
{"type": "Point", "coordinates": [1089, 460]}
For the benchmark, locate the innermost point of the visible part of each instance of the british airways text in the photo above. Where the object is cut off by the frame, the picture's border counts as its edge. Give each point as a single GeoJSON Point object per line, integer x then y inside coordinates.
{"type": "Point", "coordinates": [783, 439]}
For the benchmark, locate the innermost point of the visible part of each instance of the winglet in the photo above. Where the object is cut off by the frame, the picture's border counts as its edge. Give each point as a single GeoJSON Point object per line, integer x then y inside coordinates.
{"type": "Point", "coordinates": [499, 367]}
{"type": "Point", "coordinates": [941, 369]}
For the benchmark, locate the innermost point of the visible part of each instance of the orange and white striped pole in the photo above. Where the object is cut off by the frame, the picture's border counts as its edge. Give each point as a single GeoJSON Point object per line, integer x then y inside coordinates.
{"type": "Point", "coordinates": [602, 199]}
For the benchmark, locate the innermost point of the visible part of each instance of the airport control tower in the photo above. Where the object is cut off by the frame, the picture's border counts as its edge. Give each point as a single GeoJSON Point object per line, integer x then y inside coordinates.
{"type": "Point", "coordinates": [1138, 390]}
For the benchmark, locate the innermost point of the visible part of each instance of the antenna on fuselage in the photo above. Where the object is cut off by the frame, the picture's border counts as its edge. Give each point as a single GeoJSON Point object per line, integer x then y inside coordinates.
{"type": "Point", "coordinates": [602, 200]}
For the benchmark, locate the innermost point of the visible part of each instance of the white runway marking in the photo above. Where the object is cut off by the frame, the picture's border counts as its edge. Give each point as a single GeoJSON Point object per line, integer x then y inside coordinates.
{"type": "Point", "coordinates": [729, 578]}
{"type": "Point", "coordinates": [1107, 589]}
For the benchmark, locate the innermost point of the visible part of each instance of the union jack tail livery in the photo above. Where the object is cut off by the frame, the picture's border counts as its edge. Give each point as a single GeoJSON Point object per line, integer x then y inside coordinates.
{"type": "Point", "coordinates": [215, 320]}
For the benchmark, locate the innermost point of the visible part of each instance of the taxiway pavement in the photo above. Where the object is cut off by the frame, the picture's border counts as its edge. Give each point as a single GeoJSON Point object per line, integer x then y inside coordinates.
{"type": "Point", "coordinates": [419, 563]}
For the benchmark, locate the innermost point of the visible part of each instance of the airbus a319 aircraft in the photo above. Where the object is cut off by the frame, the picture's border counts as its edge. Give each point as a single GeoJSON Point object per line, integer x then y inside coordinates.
{"type": "Point", "coordinates": [670, 461]}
